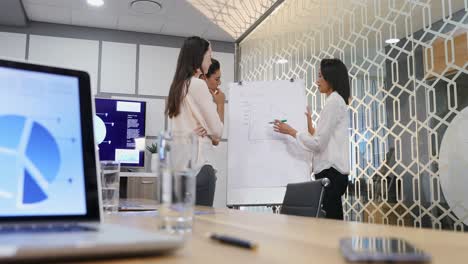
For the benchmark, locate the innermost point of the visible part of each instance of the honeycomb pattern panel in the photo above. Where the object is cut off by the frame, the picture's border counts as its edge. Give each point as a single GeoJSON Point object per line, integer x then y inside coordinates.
{"type": "Point", "coordinates": [408, 65]}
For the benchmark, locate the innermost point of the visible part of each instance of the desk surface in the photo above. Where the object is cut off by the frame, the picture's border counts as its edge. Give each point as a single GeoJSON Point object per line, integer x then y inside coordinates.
{"type": "Point", "coordinates": [287, 239]}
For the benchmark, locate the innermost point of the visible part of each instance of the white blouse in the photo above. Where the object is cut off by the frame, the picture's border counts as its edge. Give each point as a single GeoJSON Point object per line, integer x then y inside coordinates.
{"type": "Point", "coordinates": [199, 109]}
{"type": "Point", "coordinates": [330, 142]}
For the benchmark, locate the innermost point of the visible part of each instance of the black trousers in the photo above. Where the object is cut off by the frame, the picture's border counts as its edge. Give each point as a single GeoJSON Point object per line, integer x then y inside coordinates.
{"type": "Point", "coordinates": [332, 198]}
{"type": "Point", "coordinates": [206, 185]}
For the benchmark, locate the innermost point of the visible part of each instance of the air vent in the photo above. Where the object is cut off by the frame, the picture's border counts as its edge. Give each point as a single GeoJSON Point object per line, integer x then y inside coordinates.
{"type": "Point", "coordinates": [145, 7]}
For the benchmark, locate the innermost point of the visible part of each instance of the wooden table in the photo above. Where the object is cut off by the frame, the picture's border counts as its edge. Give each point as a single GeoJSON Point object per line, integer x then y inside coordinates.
{"type": "Point", "coordinates": [286, 239]}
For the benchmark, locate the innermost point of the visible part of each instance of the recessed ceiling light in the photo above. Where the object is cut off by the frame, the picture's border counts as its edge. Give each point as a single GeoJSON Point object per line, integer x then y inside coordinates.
{"type": "Point", "coordinates": [282, 61]}
{"type": "Point", "coordinates": [95, 2]}
{"type": "Point", "coordinates": [392, 41]}
{"type": "Point", "coordinates": [145, 7]}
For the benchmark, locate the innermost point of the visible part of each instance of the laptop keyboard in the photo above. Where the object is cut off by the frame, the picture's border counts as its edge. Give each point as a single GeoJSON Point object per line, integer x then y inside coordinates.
{"type": "Point", "coordinates": [56, 228]}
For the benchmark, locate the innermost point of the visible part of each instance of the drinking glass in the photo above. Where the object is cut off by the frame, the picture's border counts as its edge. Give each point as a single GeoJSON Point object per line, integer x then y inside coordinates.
{"type": "Point", "coordinates": [110, 184]}
{"type": "Point", "coordinates": [178, 158]}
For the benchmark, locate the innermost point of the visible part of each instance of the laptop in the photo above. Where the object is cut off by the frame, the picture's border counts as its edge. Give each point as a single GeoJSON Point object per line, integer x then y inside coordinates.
{"type": "Point", "coordinates": [49, 184]}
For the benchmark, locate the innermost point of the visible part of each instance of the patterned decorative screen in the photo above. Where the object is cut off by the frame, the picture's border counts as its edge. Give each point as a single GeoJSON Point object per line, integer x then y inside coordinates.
{"type": "Point", "coordinates": [409, 115]}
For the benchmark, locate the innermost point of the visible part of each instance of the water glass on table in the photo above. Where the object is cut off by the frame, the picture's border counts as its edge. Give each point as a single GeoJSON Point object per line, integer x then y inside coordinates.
{"type": "Point", "coordinates": [178, 159]}
{"type": "Point", "coordinates": [110, 184]}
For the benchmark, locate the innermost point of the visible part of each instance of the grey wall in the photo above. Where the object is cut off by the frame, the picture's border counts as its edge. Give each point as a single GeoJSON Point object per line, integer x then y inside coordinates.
{"type": "Point", "coordinates": [12, 13]}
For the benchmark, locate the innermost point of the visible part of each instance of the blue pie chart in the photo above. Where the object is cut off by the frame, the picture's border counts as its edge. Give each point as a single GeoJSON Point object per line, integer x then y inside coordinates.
{"type": "Point", "coordinates": [32, 155]}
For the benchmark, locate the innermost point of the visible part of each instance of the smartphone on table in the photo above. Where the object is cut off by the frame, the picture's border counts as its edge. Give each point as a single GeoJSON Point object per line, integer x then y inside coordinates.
{"type": "Point", "coordinates": [381, 249]}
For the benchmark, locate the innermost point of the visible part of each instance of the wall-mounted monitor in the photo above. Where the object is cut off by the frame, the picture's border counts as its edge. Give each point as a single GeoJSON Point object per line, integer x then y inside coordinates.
{"type": "Point", "coordinates": [116, 125]}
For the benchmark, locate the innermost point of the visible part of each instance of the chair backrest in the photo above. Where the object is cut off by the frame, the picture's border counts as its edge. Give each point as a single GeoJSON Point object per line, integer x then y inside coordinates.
{"type": "Point", "coordinates": [305, 198]}
{"type": "Point", "coordinates": [206, 185]}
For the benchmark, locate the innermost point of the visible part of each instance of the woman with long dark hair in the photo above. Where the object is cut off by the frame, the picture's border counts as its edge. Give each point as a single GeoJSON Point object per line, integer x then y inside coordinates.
{"type": "Point", "coordinates": [213, 76]}
{"type": "Point", "coordinates": [213, 81]}
{"type": "Point", "coordinates": [191, 106]}
{"type": "Point", "coordinates": [329, 142]}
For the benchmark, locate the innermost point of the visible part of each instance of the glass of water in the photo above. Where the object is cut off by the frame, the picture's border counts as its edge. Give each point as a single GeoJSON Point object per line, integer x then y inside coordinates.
{"type": "Point", "coordinates": [110, 184]}
{"type": "Point", "coordinates": [178, 165]}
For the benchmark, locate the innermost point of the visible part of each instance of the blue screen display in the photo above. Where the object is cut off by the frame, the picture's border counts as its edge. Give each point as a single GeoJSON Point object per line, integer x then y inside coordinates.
{"type": "Point", "coordinates": [40, 145]}
{"type": "Point", "coordinates": [117, 123]}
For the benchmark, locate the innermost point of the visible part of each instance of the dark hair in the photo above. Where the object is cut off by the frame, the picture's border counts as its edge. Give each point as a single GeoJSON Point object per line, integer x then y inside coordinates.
{"type": "Point", "coordinates": [190, 59]}
{"type": "Point", "coordinates": [336, 74]}
{"type": "Point", "coordinates": [214, 67]}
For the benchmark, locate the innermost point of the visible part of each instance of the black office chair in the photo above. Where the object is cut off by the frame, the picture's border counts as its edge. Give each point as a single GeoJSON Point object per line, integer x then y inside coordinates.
{"type": "Point", "coordinates": [206, 186]}
{"type": "Point", "coordinates": [305, 198]}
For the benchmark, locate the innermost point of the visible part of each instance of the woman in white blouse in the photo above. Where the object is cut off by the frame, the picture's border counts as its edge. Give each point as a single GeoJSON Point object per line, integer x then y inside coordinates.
{"type": "Point", "coordinates": [329, 141]}
{"type": "Point", "coordinates": [191, 106]}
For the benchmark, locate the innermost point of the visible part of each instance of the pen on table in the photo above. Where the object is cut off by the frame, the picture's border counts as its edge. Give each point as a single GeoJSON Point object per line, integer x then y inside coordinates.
{"type": "Point", "coordinates": [282, 121]}
{"type": "Point", "coordinates": [229, 240]}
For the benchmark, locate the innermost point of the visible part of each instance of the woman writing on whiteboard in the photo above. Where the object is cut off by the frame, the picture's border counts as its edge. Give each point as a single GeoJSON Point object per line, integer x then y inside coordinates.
{"type": "Point", "coordinates": [329, 141]}
{"type": "Point", "coordinates": [191, 106]}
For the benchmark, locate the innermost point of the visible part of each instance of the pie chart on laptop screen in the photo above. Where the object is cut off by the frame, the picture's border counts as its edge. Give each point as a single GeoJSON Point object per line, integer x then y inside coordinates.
{"type": "Point", "coordinates": [32, 158]}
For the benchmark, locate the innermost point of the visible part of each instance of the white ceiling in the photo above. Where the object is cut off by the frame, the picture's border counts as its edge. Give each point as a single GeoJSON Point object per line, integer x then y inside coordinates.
{"type": "Point", "coordinates": [177, 17]}
{"type": "Point", "coordinates": [234, 16]}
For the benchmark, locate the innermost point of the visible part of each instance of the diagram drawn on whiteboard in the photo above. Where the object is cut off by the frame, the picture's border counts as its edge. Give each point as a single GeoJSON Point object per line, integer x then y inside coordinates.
{"type": "Point", "coordinates": [261, 116]}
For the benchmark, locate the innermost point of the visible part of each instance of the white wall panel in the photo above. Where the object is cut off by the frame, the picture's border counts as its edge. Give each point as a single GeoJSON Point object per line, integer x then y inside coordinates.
{"type": "Point", "coordinates": [118, 68]}
{"type": "Point", "coordinates": [156, 69]}
{"type": "Point", "coordinates": [68, 53]}
{"type": "Point", "coordinates": [12, 45]}
{"type": "Point", "coordinates": [226, 121]}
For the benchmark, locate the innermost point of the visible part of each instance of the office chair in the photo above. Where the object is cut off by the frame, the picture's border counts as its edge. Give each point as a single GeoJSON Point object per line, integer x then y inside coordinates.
{"type": "Point", "coordinates": [206, 186]}
{"type": "Point", "coordinates": [305, 198]}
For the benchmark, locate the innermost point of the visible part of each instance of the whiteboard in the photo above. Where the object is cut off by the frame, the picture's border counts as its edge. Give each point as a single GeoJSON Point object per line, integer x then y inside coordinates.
{"type": "Point", "coordinates": [262, 162]}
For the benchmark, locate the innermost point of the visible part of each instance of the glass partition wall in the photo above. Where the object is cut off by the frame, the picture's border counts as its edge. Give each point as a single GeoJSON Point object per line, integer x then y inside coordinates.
{"type": "Point", "coordinates": [408, 63]}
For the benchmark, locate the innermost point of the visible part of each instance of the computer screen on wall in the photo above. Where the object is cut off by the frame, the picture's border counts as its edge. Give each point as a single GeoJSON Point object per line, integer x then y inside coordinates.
{"type": "Point", "coordinates": [117, 123]}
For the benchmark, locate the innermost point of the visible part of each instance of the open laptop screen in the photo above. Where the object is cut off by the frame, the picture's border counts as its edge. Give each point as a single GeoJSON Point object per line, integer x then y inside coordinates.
{"type": "Point", "coordinates": [41, 148]}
